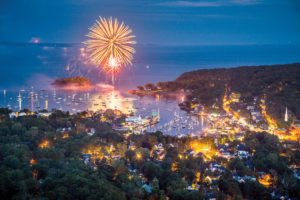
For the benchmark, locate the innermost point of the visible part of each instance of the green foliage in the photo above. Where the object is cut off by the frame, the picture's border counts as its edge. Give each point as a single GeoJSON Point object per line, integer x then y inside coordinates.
{"type": "Point", "coordinates": [254, 190]}
{"type": "Point", "coordinates": [58, 171]}
{"type": "Point", "coordinates": [238, 165]}
{"type": "Point", "coordinates": [229, 186]}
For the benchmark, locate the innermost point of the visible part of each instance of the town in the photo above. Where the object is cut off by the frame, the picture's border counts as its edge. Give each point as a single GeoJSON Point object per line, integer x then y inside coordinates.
{"type": "Point", "coordinates": [238, 151]}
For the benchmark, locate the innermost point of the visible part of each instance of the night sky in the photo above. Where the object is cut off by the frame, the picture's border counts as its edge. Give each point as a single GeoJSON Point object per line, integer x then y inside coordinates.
{"type": "Point", "coordinates": [170, 22]}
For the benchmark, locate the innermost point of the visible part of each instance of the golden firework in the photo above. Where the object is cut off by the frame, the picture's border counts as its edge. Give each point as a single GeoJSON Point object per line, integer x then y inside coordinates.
{"type": "Point", "coordinates": [110, 44]}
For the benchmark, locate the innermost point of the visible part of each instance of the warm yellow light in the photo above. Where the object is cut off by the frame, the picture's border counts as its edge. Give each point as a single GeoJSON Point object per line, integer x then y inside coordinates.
{"type": "Point", "coordinates": [44, 144]}
{"type": "Point", "coordinates": [267, 180]}
{"type": "Point", "coordinates": [138, 155]}
{"type": "Point", "coordinates": [32, 162]}
{"type": "Point", "coordinates": [65, 136]}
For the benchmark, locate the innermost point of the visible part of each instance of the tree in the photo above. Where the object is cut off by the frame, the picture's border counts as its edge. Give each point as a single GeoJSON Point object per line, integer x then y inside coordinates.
{"type": "Point", "coordinates": [229, 186]}
{"type": "Point", "coordinates": [122, 148]}
{"type": "Point", "coordinates": [17, 128]}
{"type": "Point", "coordinates": [156, 194]}
{"type": "Point", "coordinates": [109, 114]}
{"type": "Point", "coordinates": [150, 86]}
{"type": "Point", "coordinates": [130, 155]}
{"type": "Point", "coordinates": [151, 170]}
{"type": "Point", "coordinates": [119, 166]}
{"type": "Point", "coordinates": [253, 190]}
{"type": "Point", "coordinates": [142, 153]}
{"type": "Point", "coordinates": [140, 87]}
{"type": "Point", "coordinates": [155, 186]}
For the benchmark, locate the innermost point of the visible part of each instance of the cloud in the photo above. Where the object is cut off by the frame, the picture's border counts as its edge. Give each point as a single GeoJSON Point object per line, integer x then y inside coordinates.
{"type": "Point", "coordinates": [209, 3]}
{"type": "Point", "coordinates": [246, 2]}
{"type": "Point", "coordinates": [190, 4]}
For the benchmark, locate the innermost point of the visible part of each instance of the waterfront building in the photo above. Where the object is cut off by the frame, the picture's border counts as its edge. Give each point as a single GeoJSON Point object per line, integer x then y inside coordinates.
{"type": "Point", "coordinates": [286, 117]}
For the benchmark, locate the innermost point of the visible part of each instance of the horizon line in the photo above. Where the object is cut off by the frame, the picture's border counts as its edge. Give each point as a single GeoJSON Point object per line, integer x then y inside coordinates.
{"type": "Point", "coordinates": [72, 44]}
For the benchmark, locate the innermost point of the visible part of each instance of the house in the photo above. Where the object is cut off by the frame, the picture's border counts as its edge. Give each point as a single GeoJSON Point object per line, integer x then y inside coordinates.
{"type": "Point", "coordinates": [132, 170]}
{"type": "Point", "coordinates": [116, 157]}
{"type": "Point", "coordinates": [250, 108]}
{"type": "Point", "coordinates": [120, 127]}
{"type": "Point", "coordinates": [107, 156]}
{"type": "Point", "coordinates": [216, 167]}
{"type": "Point", "coordinates": [160, 153]}
{"type": "Point", "coordinates": [264, 126]}
{"type": "Point", "coordinates": [131, 146]}
{"type": "Point", "coordinates": [242, 154]}
{"type": "Point", "coordinates": [212, 179]}
{"type": "Point", "coordinates": [243, 179]}
{"type": "Point", "coordinates": [173, 145]}
{"type": "Point", "coordinates": [134, 120]}
{"type": "Point", "coordinates": [159, 147]}
{"type": "Point", "coordinates": [91, 132]}
{"type": "Point", "coordinates": [256, 115]}
{"type": "Point", "coordinates": [297, 174]}
{"type": "Point", "coordinates": [190, 152]}
{"type": "Point", "coordinates": [226, 155]}
{"type": "Point", "coordinates": [43, 114]}
{"type": "Point", "coordinates": [258, 119]}
{"type": "Point", "coordinates": [222, 148]}
{"type": "Point", "coordinates": [235, 97]}
{"type": "Point", "coordinates": [239, 136]}
{"type": "Point", "coordinates": [147, 188]}
{"type": "Point", "coordinates": [191, 188]}
{"type": "Point", "coordinates": [241, 151]}
{"type": "Point", "coordinates": [22, 114]}
{"type": "Point", "coordinates": [13, 115]}
{"type": "Point", "coordinates": [86, 158]}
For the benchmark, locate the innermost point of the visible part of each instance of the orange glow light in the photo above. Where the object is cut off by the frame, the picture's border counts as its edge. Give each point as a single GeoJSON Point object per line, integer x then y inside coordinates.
{"type": "Point", "coordinates": [32, 162]}
{"type": "Point", "coordinates": [44, 144]}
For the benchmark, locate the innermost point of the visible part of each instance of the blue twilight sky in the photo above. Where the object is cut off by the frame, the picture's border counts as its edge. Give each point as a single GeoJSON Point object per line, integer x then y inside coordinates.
{"type": "Point", "coordinates": [170, 22]}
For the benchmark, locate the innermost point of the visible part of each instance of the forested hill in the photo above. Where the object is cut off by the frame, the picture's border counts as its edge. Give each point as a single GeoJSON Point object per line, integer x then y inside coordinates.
{"type": "Point", "coordinates": [280, 84]}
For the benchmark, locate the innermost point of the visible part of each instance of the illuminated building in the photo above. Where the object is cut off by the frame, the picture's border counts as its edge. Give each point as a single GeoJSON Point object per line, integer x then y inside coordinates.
{"type": "Point", "coordinates": [294, 131]}
{"type": "Point", "coordinates": [286, 118]}
{"type": "Point", "coordinates": [20, 101]}
{"type": "Point", "coordinates": [46, 104]}
{"type": "Point", "coordinates": [235, 97]}
{"type": "Point", "coordinates": [267, 180]}
{"type": "Point", "coordinates": [44, 144]}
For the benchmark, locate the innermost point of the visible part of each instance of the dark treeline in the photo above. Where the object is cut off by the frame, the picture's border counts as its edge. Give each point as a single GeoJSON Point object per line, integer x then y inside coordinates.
{"type": "Point", "coordinates": [280, 84]}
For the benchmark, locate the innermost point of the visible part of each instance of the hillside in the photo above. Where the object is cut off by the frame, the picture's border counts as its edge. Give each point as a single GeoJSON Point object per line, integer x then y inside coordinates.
{"type": "Point", "coordinates": [279, 84]}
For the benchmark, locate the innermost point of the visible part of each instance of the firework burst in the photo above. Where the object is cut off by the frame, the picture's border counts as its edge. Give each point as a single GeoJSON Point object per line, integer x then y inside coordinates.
{"type": "Point", "coordinates": [110, 45]}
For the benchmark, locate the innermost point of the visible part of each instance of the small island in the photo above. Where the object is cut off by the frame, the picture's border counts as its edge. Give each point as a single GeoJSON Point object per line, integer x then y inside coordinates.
{"type": "Point", "coordinates": [73, 83]}
{"type": "Point", "coordinates": [149, 89]}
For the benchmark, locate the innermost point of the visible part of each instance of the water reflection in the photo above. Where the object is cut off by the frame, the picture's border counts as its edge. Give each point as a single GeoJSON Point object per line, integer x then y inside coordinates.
{"type": "Point", "coordinates": [172, 120]}
{"type": "Point", "coordinates": [111, 99]}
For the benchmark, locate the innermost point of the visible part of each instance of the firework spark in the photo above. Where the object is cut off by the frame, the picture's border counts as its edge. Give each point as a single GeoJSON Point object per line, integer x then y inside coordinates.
{"type": "Point", "coordinates": [110, 45]}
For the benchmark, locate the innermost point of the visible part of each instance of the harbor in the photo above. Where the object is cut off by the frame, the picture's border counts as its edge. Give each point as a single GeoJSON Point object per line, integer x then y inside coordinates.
{"type": "Point", "coordinates": [144, 114]}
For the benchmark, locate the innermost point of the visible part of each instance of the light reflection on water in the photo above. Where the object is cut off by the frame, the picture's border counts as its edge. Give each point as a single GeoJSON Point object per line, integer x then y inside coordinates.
{"type": "Point", "coordinates": [172, 119]}
{"type": "Point", "coordinates": [110, 99]}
